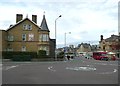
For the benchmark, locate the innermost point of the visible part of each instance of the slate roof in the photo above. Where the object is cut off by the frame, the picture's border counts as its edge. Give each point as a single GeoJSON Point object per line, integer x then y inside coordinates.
{"type": "Point", "coordinates": [85, 45]}
{"type": "Point", "coordinates": [44, 25]}
{"type": "Point", "coordinates": [21, 22]}
{"type": "Point", "coordinates": [112, 38]}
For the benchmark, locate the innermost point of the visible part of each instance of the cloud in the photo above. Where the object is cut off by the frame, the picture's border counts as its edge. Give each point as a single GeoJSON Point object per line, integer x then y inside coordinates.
{"type": "Point", "coordinates": [85, 19]}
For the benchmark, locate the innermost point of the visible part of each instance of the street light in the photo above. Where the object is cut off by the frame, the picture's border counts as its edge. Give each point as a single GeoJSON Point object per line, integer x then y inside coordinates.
{"type": "Point", "coordinates": [56, 37]}
{"type": "Point", "coordinates": [65, 41]}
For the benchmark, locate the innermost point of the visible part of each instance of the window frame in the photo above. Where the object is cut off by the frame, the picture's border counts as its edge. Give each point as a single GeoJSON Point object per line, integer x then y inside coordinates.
{"type": "Point", "coordinates": [23, 37]}
{"type": "Point", "coordinates": [10, 38]}
{"type": "Point", "coordinates": [23, 49]}
{"type": "Point", "coordinates": [30, 37]}
{"type": "Point", "coordinates": [43, 37]}
{"type": "Point", "coordinates": [27, 27]}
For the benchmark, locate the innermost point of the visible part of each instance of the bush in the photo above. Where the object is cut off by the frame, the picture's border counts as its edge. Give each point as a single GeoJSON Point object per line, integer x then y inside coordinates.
{"type": "Point", "coordinates": [42, 54]}
{"type": "Point", "coordinates": [7, 55]}
{"type": "Point", "coordinates": [61, 55]}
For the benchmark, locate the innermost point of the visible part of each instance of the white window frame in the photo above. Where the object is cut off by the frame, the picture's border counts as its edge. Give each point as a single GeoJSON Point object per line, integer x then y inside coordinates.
{"type": "Point", "coordinates": [23, 48]}
{"type": "Point", "coordinates": [47, 37]}
{"type": "Point", "coordinates": [24, 27]}
{"type": "Point", "coordinates": [44, 37]}
{"type": "Point", "coordinates": [27, 27]}
{"type": "Point", "coordinates": [10, 38]}
{"type": "Point", "coordinates": [24, 37]}
{"type": "Point", "coordinates": [40, 37]}
{"type": "Point", "coordinates": [31, 37]}
{"type": "Point", "coordinates": [10, 49]}
{"type": "Point", "coordinates": [46, 48]}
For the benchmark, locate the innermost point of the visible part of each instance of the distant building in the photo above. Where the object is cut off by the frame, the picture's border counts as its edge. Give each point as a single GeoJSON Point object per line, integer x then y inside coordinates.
{"type": "Point", "coordinates": [110, 44]}
{"type": "Point", "coordinates": [84, 47]}
{"type": "Point", "coordinates": [27, 36]}
{"type": "Point", "coordinates": [94, 47]}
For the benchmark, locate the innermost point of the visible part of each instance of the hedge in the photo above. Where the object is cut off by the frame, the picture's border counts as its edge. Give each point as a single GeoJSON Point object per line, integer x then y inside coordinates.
{"type": "Point", "coordinates": [21, 58]}
{"type": "Point", "coordinates": [24, 56]}
{"type": "Point", "coordinates": [11, 54]}
{"type": "Point", "coordinates": [42, 54]}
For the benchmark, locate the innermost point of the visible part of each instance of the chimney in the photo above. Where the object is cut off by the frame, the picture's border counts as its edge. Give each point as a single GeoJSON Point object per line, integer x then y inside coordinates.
{"type": "Point", "coordinates": [101, 37]}
{"type": "Point", "coordinates": [34, 18]}
{"type": "Point", "coordinates": [18, 17]}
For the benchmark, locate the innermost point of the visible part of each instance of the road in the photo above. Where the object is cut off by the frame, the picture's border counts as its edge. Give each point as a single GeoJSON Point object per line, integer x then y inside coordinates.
{"type": "Point", "coordinates": [77, 71]}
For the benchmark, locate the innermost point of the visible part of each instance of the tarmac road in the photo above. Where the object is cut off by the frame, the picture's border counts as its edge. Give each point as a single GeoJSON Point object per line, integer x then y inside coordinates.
{"type": "Point", "coordinates": [76, 71]}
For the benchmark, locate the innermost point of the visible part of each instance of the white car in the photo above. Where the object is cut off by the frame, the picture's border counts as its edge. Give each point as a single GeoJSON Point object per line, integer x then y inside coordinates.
{"type": "Point", "coordinates": [87, 56]}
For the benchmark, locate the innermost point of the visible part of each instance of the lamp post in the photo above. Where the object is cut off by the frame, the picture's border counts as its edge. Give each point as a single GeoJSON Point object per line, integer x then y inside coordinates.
{"type": "Point", "coordinates": [56, 37]}
{"type": "Point", "coordinates": [65, 42]}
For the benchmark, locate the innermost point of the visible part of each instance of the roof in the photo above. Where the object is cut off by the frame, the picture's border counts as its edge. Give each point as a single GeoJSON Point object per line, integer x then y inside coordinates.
{"type": "Point", "coordinates": [44, 25]}
{"type": "Point", "coordinates": [21, 22]}
{"type": "Point", "coordinates": [85, 45]}
{"type": "Point", "coordinates": [112, 38]}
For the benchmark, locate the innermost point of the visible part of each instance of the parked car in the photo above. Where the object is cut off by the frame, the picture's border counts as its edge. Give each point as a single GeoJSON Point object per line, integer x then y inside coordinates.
{"type": "Point", "coordinates": [112, 56]}
{"type": "Point", "coordinates": [87, 56]}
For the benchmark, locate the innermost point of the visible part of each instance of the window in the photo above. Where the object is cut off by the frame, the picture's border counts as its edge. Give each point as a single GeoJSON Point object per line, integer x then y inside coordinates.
{"type": "Point", "coordinates": [10, 49]}
{"type": "Point", "coordinates": [47, 37]}
{"type": "Point", "coordinates": [31, 37]}
{"type": "Point", "coordinates": [27, 27]}
{"type": "Point", "coordinates": [23, 48]}
{"type": "Point", "coordinates": [23, 37]}
{"type": "Point", "coordinates": [46, 48]}
{"type": "Point", "coordinates": [40, 37]}
{"type": "Point", "coordinates": [10, 38]}
{"type": "Point", "coordinates": [43, 37]}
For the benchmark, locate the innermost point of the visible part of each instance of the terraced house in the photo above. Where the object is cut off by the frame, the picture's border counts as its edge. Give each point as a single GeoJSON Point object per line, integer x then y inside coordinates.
{"type": "Point", "coordinates": [26, 35]}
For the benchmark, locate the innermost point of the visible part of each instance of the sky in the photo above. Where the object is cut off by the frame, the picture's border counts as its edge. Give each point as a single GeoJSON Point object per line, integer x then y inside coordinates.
{"type": "Point", "coordinates": [85, 19]}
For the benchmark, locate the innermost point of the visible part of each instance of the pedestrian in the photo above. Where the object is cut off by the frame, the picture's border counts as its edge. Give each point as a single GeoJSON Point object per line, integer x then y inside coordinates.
{"type": "Point", "coordinates": [113, 58]}
{"type": "Point", "coordinates": [68, 57]}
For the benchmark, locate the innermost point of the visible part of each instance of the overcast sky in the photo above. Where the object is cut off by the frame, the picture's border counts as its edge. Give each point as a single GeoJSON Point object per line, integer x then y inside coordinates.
{"type": "Point", "coordinates": [85, 19]}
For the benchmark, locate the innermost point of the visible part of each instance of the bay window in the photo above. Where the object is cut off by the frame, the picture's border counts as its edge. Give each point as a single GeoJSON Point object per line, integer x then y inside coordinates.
{"type": "Point", "coordinates": [43, 37]}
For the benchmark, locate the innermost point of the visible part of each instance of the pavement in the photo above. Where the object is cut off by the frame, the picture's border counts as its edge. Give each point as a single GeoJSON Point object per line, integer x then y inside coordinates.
{"type": "Point", "coordinates": [76, 71]}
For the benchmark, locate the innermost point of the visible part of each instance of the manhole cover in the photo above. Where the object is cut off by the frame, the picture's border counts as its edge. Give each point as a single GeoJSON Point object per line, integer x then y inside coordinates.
{"type": "Point", "coordinates": [81, 68]}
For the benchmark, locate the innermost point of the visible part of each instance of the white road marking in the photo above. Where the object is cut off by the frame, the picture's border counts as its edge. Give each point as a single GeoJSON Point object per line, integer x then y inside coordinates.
{"type": "Point", "coordinates": [115, 70]}
{"type": "Point", "coordinates": [106, 64]}
{"type": "Point", "coordinates": [10, 67]}
{"type": "Point", "coordinates": [51, 68]}
{"type": "Point", "coordinates": [101, 63]}
{"type": "Point", "coordinates": [81, 68]}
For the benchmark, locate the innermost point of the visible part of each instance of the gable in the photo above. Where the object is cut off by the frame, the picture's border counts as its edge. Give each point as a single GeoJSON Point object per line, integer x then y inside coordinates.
{"type": "Point", "coordinates": [23, 22]}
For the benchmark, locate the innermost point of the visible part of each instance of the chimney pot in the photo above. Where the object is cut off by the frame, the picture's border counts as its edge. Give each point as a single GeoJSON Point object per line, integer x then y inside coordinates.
{"type": "Point", "coordinates": [34, 18]}
{"type": "Point", "coordinates": [101, 37]}
{"type": "Point", "coordinates": [19, 17]}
